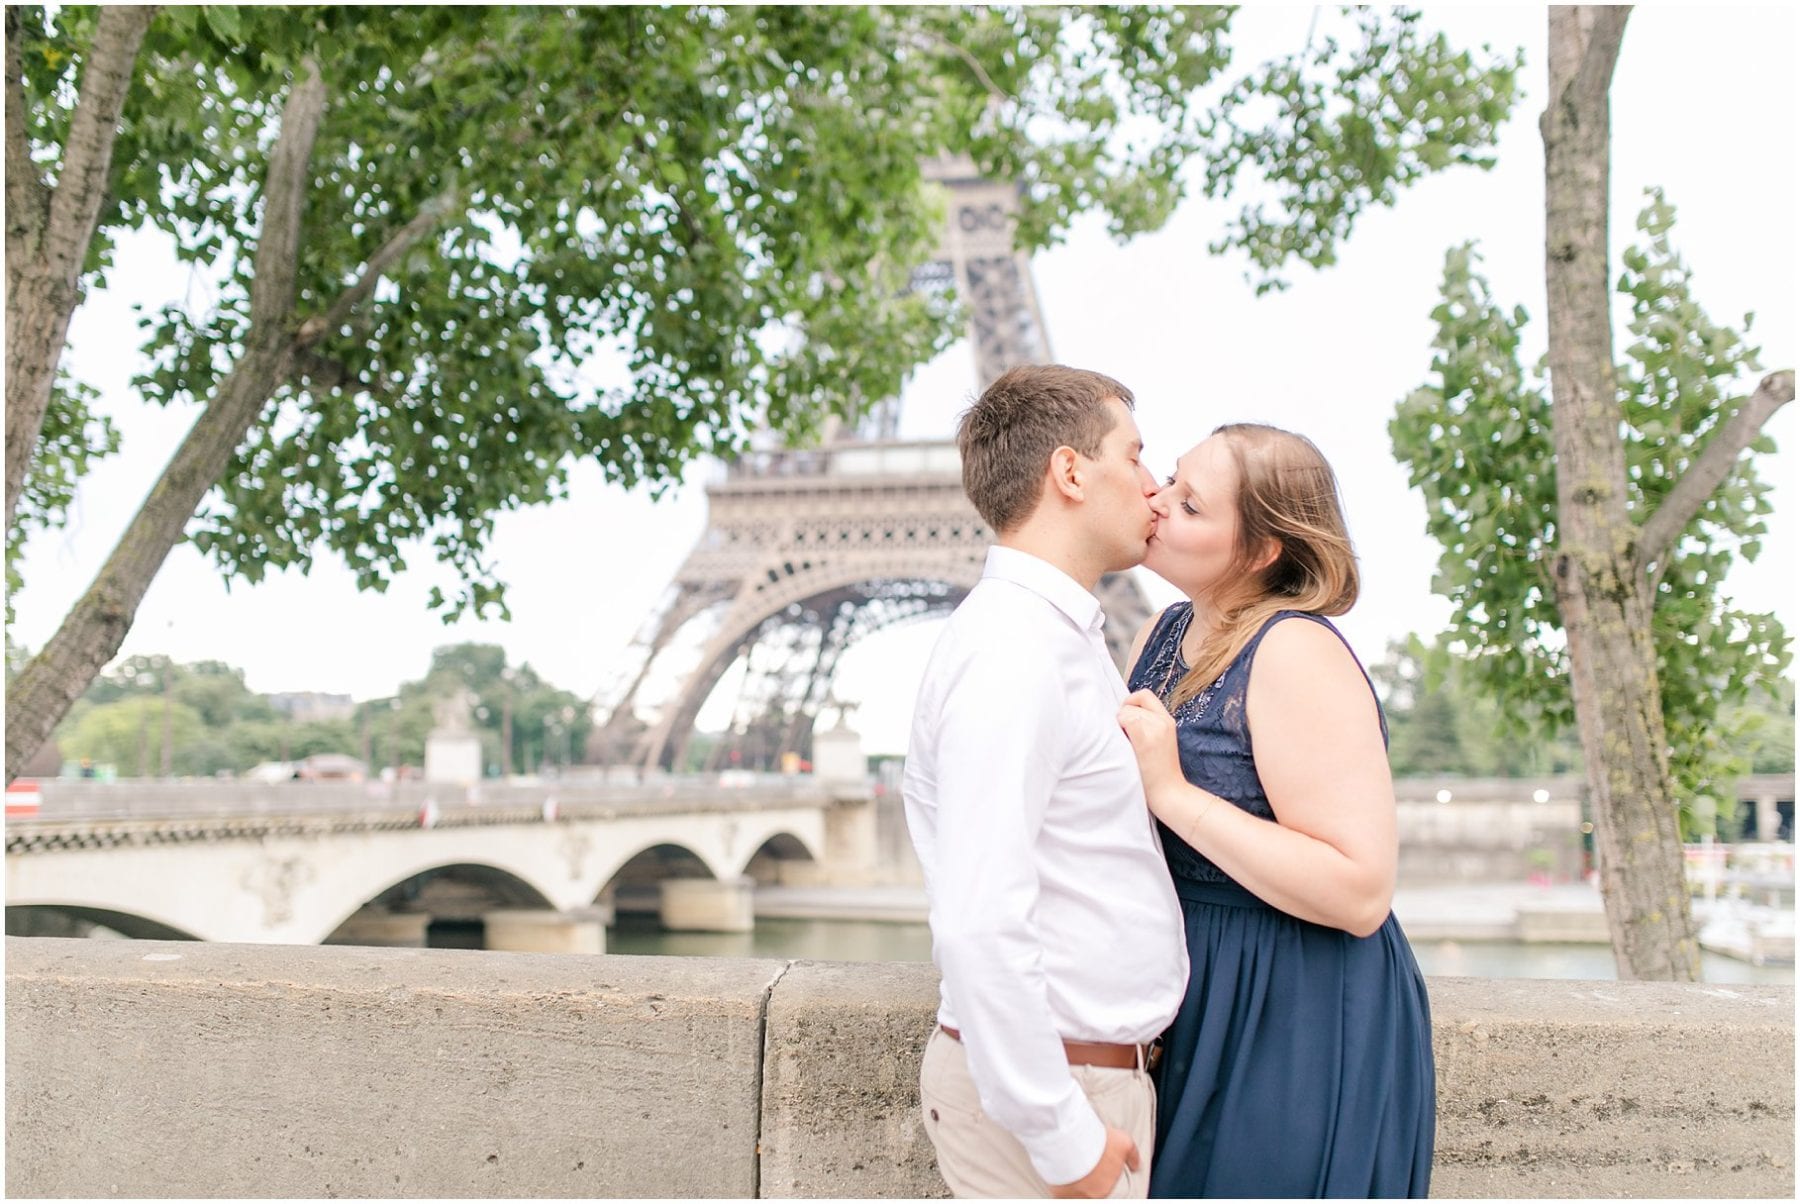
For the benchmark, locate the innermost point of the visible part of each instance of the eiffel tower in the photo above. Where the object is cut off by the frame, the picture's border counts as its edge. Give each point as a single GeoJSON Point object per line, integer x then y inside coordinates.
{"type": "Point", "coordinates": [807, 551]}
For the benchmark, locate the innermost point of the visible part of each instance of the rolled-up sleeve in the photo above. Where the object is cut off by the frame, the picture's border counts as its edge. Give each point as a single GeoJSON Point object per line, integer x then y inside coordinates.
{"type": "Point", "coordinates": [998, 752]}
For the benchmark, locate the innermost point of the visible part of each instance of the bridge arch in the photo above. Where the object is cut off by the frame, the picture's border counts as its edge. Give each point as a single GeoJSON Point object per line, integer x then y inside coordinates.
{"type": "Point", "coordinates": [633, 883]}
{"type": "Point", "coordinates": [765, 864]}
{"type": "Point", "coordinates": [509, 881]}
{"type": "Point", "coordinates": [654, 860]}
{"type": "Point", "coordinates": [78, 920]}
{"type": "Point", "coordinates": [453, 892]}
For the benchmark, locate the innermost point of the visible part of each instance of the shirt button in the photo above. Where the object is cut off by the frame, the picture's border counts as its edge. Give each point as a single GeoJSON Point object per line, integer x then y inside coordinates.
{"type": "Point", "coordinates": [934, 1114]}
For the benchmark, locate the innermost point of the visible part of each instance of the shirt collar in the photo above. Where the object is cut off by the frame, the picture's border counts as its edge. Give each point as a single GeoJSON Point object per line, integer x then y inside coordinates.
{"type": "Point", "coordinates": [1048, 582]}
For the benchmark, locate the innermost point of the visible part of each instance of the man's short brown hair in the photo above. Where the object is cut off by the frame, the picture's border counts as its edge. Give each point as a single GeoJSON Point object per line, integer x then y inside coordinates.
{"type": "Point", "coordinates": [1007, 436]}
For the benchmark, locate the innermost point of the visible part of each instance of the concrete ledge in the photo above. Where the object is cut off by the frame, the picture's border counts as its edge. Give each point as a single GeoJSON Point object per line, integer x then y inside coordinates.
{"type": "Point", "coordinates": [1604, 1089]}
{"type": "Point", "coordinates": [143, 1068]}
{"type": "Point", "coordinates": [180, 1069]}
{"type": "Point", "coordinates": [841, 1082]}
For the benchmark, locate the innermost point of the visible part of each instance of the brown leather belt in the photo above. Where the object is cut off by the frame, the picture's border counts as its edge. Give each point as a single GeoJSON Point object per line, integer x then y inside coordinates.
{"type": "Point", "coordinates": [1096, 1053]}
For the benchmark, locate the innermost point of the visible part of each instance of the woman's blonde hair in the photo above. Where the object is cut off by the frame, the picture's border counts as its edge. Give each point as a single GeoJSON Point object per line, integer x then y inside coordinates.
{"type": "Point", "coordinates": [1287, 497]}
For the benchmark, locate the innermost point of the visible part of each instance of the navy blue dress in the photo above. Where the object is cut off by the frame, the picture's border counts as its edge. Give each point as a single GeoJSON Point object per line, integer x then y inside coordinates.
{"type": "Point", "coordinates": [1300, 1062]}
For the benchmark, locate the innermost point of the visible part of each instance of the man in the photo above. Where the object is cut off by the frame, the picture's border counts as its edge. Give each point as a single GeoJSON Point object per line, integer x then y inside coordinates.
{"type": "Point", "coordinates": [1053, 920]}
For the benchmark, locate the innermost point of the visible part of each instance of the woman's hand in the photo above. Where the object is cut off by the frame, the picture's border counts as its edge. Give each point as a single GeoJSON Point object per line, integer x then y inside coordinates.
{"type": "Point", "coordinates": [1151, 730]}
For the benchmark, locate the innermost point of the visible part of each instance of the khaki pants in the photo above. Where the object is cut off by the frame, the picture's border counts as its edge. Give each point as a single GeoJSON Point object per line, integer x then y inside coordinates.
{"type": "Point", "coordinates": [981, 1160]}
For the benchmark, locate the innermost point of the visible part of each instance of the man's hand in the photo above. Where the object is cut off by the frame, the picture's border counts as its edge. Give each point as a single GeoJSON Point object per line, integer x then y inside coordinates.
{"type": "Point", "coordinates": [1097, 1184]}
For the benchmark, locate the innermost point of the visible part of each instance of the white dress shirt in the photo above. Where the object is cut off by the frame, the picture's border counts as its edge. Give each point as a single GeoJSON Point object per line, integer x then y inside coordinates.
{"type": "Point", "coordinates": [1052, 912]}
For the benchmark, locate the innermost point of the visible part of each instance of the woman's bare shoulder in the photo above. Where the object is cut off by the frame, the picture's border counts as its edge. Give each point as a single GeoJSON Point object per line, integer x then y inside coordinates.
{"type": "Point", "coordinates": [1298, 653]}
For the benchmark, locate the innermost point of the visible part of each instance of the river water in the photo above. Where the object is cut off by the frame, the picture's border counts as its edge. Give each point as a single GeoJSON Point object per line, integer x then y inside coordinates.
{"type": "Point", "coordinates": [867, 940]}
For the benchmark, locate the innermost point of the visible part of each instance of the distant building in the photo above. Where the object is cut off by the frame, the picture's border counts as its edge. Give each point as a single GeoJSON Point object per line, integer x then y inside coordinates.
{"type": "Point", "coordinates": [306, 706]}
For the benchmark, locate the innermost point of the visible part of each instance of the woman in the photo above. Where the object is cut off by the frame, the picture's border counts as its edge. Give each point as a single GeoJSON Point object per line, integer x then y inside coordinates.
{"type": "Point", "coordinates": [1300, 1062]}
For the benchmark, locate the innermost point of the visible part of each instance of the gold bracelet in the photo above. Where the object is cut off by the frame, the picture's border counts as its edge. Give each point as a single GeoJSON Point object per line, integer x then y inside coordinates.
{"type": "Point", "coordinates": [1194, 828]}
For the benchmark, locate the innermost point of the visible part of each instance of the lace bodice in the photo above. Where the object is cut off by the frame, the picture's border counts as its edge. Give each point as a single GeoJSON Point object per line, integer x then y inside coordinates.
{"type": "Point", "coordinates": [1211, 729]}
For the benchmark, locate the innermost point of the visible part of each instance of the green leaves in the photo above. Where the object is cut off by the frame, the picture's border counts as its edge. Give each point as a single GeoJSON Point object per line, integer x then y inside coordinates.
{"type": "Point", "coordinates": [1086, 106]}
{"type": "Point", "coordinates": [667, 227]}
{"type": "Point", "coordinates": [1476, 442]}
{"type": "Point", "coordinates": [73, 437]}
{"type": "Point", "coordinates": [672, 196]}
{"type": "Point", "coordinates": [1680, 376]}
{"type": "Point", "coordinates": [1440, 721]}
{"type": "Point", "coordinates": [214, 721]}
{"type": "Point", "coordinates": [548, 725]}
{"type": "Point", "coordinates": [224, 22]}
{"type": "Point", "coordinates": [1331, 131]}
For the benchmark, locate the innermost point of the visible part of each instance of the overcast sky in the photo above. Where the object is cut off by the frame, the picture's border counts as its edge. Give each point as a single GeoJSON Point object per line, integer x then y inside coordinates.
{"type": "Point", "coordinates": [1702, 106]}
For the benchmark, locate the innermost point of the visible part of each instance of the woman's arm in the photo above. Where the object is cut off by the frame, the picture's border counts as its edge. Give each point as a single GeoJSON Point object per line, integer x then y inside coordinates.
{"type": "Point", "coordinates": [1330, 858]}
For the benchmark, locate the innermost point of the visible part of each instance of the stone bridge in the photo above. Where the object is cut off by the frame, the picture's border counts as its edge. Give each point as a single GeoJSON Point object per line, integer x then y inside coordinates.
{"type": "Point", "coordinates": [542, 867]}
{"type": "Point", "coordinates": [525, 868]}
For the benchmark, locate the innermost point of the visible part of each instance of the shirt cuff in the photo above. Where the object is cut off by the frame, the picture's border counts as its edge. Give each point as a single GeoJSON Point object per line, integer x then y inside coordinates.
{"type": "Point", "coordinates": [1073, 1148]}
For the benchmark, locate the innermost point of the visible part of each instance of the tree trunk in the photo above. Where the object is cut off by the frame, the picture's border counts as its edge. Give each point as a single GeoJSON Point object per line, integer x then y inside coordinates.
{"type": "Point", "coordinates": [97, 625]}
{"type": "Point", "coordinates": [276, 349]}
{"type": "Point", "coordinates": [49, 231]}
{"type": "Point", "coordinates": [95, 628]}
{"type": "Point", "coordinates": [1601, 584]}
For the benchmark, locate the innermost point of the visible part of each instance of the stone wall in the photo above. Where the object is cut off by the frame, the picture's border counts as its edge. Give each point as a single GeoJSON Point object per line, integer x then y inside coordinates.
{"type": "Point", "coordinates": [1488, 840]}
{"type": "Point", "coordinates": [179, 1069]}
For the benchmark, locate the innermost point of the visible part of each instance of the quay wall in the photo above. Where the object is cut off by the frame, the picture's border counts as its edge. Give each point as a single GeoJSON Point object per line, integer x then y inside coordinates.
{"type": "Point", "coordinates": [160, 1069]}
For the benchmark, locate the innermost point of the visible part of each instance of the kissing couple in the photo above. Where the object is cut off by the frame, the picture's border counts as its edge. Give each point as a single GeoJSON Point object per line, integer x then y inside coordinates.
{"type": "Point", "coordinates": [1160, 906]}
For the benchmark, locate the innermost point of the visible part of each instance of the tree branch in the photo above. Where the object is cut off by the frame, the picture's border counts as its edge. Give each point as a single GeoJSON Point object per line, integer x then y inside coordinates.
{"type": "Point", "coordinates": [26, 196]}
{"type": "Point", "coordinates": [994, 90]}
{"type": "Point", "coordinates": [1312, 27]}
{"type": "Point", "coordinates": [1656, 539]}
{"type": "Point", "coordinates": [96, 626]}
{"type": "Point", "coordinates": [87, 161]}
{"type": "Point", "coordinates": [398, 244]}
{"type": "Point", "coordinates": [284, 193]}
{"type": "Point", "coordinates": [1604, 27]}
{"type": "Point", "coordinates": [44, 265]}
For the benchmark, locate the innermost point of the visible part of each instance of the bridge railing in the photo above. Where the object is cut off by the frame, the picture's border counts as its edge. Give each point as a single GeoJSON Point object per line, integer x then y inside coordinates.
{"type": "Point", "coordinates": [64, 800]}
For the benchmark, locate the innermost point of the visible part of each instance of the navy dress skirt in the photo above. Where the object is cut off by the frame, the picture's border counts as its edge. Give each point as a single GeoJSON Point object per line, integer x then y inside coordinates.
{"type": "Point", "coordinates": [1300, 1062]}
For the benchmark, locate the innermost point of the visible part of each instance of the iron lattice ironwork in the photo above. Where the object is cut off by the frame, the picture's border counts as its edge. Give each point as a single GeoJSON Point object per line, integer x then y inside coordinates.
{"type": "Point", "coordinates": [808, 551]}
